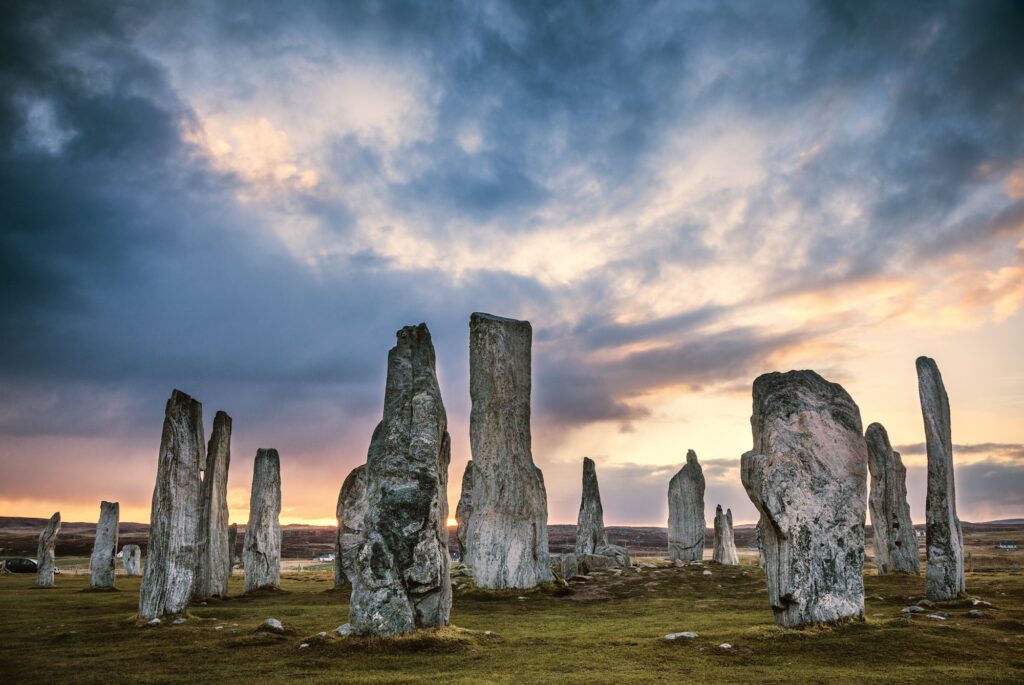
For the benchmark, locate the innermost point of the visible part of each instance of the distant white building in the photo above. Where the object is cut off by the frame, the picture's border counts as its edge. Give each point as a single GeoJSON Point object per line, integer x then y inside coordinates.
{"type": "Point", "coordinates": [1007, 544]}
{"type": "Point", "coordinates": [326, 557]}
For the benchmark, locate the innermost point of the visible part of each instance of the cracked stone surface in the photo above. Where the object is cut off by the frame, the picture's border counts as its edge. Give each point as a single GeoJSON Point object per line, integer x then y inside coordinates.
{"type": "Point", "coordinates": [351, 511]}
{"type": "Point", "coordinates": [45, 551]}
{"type": "Point", "coordinates": [464, 511]}
{"type": "Point", "coordinates": [686, 512]}
{"type": "Point", "coordinates": [131, 560]}
{"type": "Point", "coordinates": [213, 562]}
{"type": "Point", "coordinates": [894, 540]}
{"type": "Point", "coordinates": [103, 562]}
{"type": "Point", "coordinates": [725, 544]}
{"type": "Point", "coordinates": [261, 551]}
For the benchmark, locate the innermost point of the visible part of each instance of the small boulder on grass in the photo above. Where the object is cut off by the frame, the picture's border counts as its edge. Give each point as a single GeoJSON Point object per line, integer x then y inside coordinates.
{"type": "Point", "coordinates": [272, 625]}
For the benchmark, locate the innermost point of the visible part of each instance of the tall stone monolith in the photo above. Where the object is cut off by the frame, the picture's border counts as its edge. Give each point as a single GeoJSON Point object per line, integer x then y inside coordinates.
{"type": "Point", "coordinates": [807, 476]}
{"type": "Point", "coordinates": [103, 562]}
{"type": "Point", "coordinates": [212, 562]}
{"type": "Point", "coordinates": [591, 539]}
{"type": "Point", "coordinates": [464, 511]}
{"type": "Point", "coordinates": [401, 580]}
{"type": "Point", "coordinates": [45, 552]}
{"type": "Point", "coordinates": [351, 511]}
{"type": "Point", "coordinates": [232, 547]}
{"type": "Point", "coordinates": [508, 531]}
{"type": "Point", "coordinates": [131, 560]}
{"type": "Point", "coordinates": [686, 512]}
{"type": "Point", "coordinates": [171, 553]}
{"type": "Point", "coordinates": [894, 539]}
{"type": "Point", "coordinates": [944, 538]}
{"type": "Point", "coordinates": [725, 544]}
{"type": "Point", "coordinates": [261, 551]}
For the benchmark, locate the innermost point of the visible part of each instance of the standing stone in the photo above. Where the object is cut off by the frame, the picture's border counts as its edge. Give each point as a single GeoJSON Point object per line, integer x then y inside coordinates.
{"type": "Point", "coordinates": [351, 511]}
{"type": "Point", "coordinates": [725, 544]}
{"type": "Point", "coordinates": [944, 538]}
{"type": "Point", "coordinates": [171, 553]}
{"type": "Point", "coordinates": [464, 511]}
{"type": "Point", "coordinates": [895, 542]}
{"type": "Point", "coordinates": [807, 476]}
{"type": "Point", "coordinates": [591, 540]}
{"type": "Point", "coordinates": [686, 512]}
{"type": "Point", "coordinates": [261, 551]}
{"type": "Point", "coordinates": [102, 563]}
{"type": "Point", "coordinates": [508, 532]}
{"type": "Point", "coordinates": [131, 559]}
{"type": "Point", "coordinates": [213, 563]}
{"type": "Point", "coordinates": [401, 580]}
{"type": "Point", "coordinates": [232, 546]}
{"type": "Point", "coordinates": [45, 553]}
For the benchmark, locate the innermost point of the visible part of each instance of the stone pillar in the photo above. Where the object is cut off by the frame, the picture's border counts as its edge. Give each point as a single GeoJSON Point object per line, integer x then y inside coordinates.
{"type": "Point", "coordinates": [212, 563]}
{"type": "Point", "coordinates": [686, 512]}
{"type": "Point", "coordinates": [45, 551]}
{"type": "Point", "coordinates": [895, 542]}
{"type": "Point", "coordinates": [464, 511]}
{"type": "Point", "coordinates": [401, 580]}
{"type": "Point", "coordinates": [261, 551]}
{"type": "Point", "coordinates": [807, 476]}
{"type": "Point", "coordinates": [131, 560]}
{"type": "Point", "coordinates": [591, 540]}
{"type": "Point", "coordinates": [508, 531]}
{"type": "Point", "coordinates": [351, 511]}
{"type": "Point", "coordinates": [725, 544]}
{"type": "Point", "coordinates": [944, 538]}
{"type": "Point", "coordinates": [171, 553]}
{"type": "Point", "coordinates": [232, 547]}
{"type": "Point", "coordinates": [102, 563]}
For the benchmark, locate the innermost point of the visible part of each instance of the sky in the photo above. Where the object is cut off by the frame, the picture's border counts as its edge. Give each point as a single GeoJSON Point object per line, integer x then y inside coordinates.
{"type": "Point", "coordinates": [246, 200]}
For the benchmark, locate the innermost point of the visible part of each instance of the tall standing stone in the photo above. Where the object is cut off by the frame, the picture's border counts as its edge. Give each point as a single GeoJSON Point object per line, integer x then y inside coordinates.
{"type": "Point", "coordinates": [591, 539]}
{"type": "Point", "coordinates": [464, 511]}
{"type": "Point", "coordinates": [232, 547]}
{"type": "Point", "coordinates": [351, 511]}
{"type": "Point", "coordinates": [261, 551]}
{"type": "Point", "coordinates": [944, 538]}
{"type": "Point", "coordinates": [807, 476]}
{"type": "Point", "coordinates": [45, 552]}
{"type": "Point", "coordinates": [102, 563]}
{"type": "Point", "coordinates": [171, 553]}
{"type": "Point", "coordinates": [213, 563]}
{"type": "Point", "coordinates": [895, 542]}
{"type": "Point", "coordinates": [401, 580]}
{"type": "Point", "coordinates": [508, 531]}
{"type": "Point", "coordinates": [725, 544]}
{"type": "Point", "coordinates": [686, 512]}
{"type": "Point", "coordinates": [131, 559]}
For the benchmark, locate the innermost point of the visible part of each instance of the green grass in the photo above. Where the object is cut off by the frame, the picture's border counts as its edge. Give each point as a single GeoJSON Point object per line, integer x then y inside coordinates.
{"type": "Point", "coordinates": [608, 630]}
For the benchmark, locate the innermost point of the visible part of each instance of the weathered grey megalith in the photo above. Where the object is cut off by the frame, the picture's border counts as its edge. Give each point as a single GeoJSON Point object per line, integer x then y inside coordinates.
{"type": "Point", "coordinates": [131, 559]}
{"type": "Point", "coordinates": [591, 539]}
{"type": "Point", "coordinates": [45, 552]}
{"type": "Point", "coordinates": [171, 553]}
{"type": "Point", "coordinates": [232, 540]}
{"type": "Point", "coordinates": [261, 551]}
{"type": "Point", "coordinates": [725, 544]}
{"type": "Point", "coordinates": [213, 565]}
{"type": "Point", "coordinates": [351, 511]}
{"type": "Point", "coordinates": [508, 532]}
{"type": "Point", "coordinates": [807, 476]}
{"type": "Point", "coordinates": [401, 579]}
{"type": "Point", "coordinates": [686, 512]}
{"type": "Point", "coordinates": [103, 562]}
{"type": "Point", "coordinates": [464, 511]}
{"type": "Point", "coordinates": [944, 538]}
{"type": "Point", "coordinates": [894, 539]}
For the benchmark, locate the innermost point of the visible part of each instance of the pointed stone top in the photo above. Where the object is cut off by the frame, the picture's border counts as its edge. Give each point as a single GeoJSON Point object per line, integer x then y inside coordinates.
{"type": "Point", "coordinates": [691, 457]}
{"type": "Point", "coordinates": [477, 316]}
{"type": "Point", "coordinates": [222, 417]}
{"type": "Point", "coordinates": [588, 462]}
{"type": "Point", "coordinates": [56, 516]}
{"type": "Point", "coordinates": [718, 510]}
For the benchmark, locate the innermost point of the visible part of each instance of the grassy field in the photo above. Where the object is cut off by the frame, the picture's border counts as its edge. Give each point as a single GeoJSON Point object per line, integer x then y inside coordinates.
{"type": "Point", "coordinates": [609, 629]}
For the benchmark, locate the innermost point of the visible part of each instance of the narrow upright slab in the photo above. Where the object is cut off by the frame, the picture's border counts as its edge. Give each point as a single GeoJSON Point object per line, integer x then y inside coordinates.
{"type": "Point", "coordinates": [45, 551]}
{"type": "Point", "coordinates": [592, 550]}
{"type": "Point", "coordinates": [944, 538]}
{"type": "Point", "coordinates": [725, 544]}
{"type": "Point", "coordinates": [171, 553]}
{"type": "Point", "coordinates": [102, 563]}
{"type": "Point", "coordinates": [401, 580]}
{"type": "Point", "coordinates": [464, 511]}
{"type": "Point", "coordinates": [686, 512]}
{"type": "Point", "coordinates": [212, 564]}
{"type": "Point", "coordinates": [508, 531]}
{"type": "Point", "coordinates": [131, 560]}
{"type": "Point", "coordinates": [261, 552]}
{"type": "Point", "coordinates": [232, 546]}
{"type": "Point", "coordinates": [807, 476]}
{"type": "Point", "coordinates": [351, 511]}
{"type": "Point", "coordinates": [894, 539]}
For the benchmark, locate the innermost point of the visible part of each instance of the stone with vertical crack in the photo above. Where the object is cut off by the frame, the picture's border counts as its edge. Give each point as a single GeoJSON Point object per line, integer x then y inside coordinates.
{"type": "Point", "coordinates": [213, 565]}
{"type": "Point", "coordinates": [686, 512]}
{"type": "Point", "coordinates": [131, 560]}
{"type": "Point", "coordinates": [464, 511]}
{"type": "Point", "coordinates": [45, 551]}
{"type": "Point", "coordinates": [894, 540]}
{"type": "Point", "coordinates": [350, 512]}
{"type": "Point", "coordinates": [725, 544]}
{"type": "Point", "coordinates": [261, 550]}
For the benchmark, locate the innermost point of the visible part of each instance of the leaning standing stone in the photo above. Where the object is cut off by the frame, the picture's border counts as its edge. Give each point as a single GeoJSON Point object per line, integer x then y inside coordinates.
{"type": "Point", "coordinates": [351, 511]}
{"type": "Point", "coordinates": [212, 563]}
{"type": "Point", "coordinates": [171, 553]}
{"type": "Point", "coordinates": [131, 559]}
{"type": "Point", "coordinates": [45, 553]}
{"type": "Point", "coordinates": [686, 512]}
{"type": "Point", "coordinates": [464, 511]}
{"type": "Point", "coordinates": [807, 476]}
{"type": "Point", "coordinates": [725, 545]}
{"type": "Point", "coordinates": [894, 539]}
{"type": "Point", "coordinates": [261, 551]}
{"type": "Point", "coordinates": [944, 538]}
{"type": "Point", "coordinates": [401, 580]}
{"type": "Point", "coordinates": [102, 563]}
{"type": "Point", "coordinates": [508, 532]}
